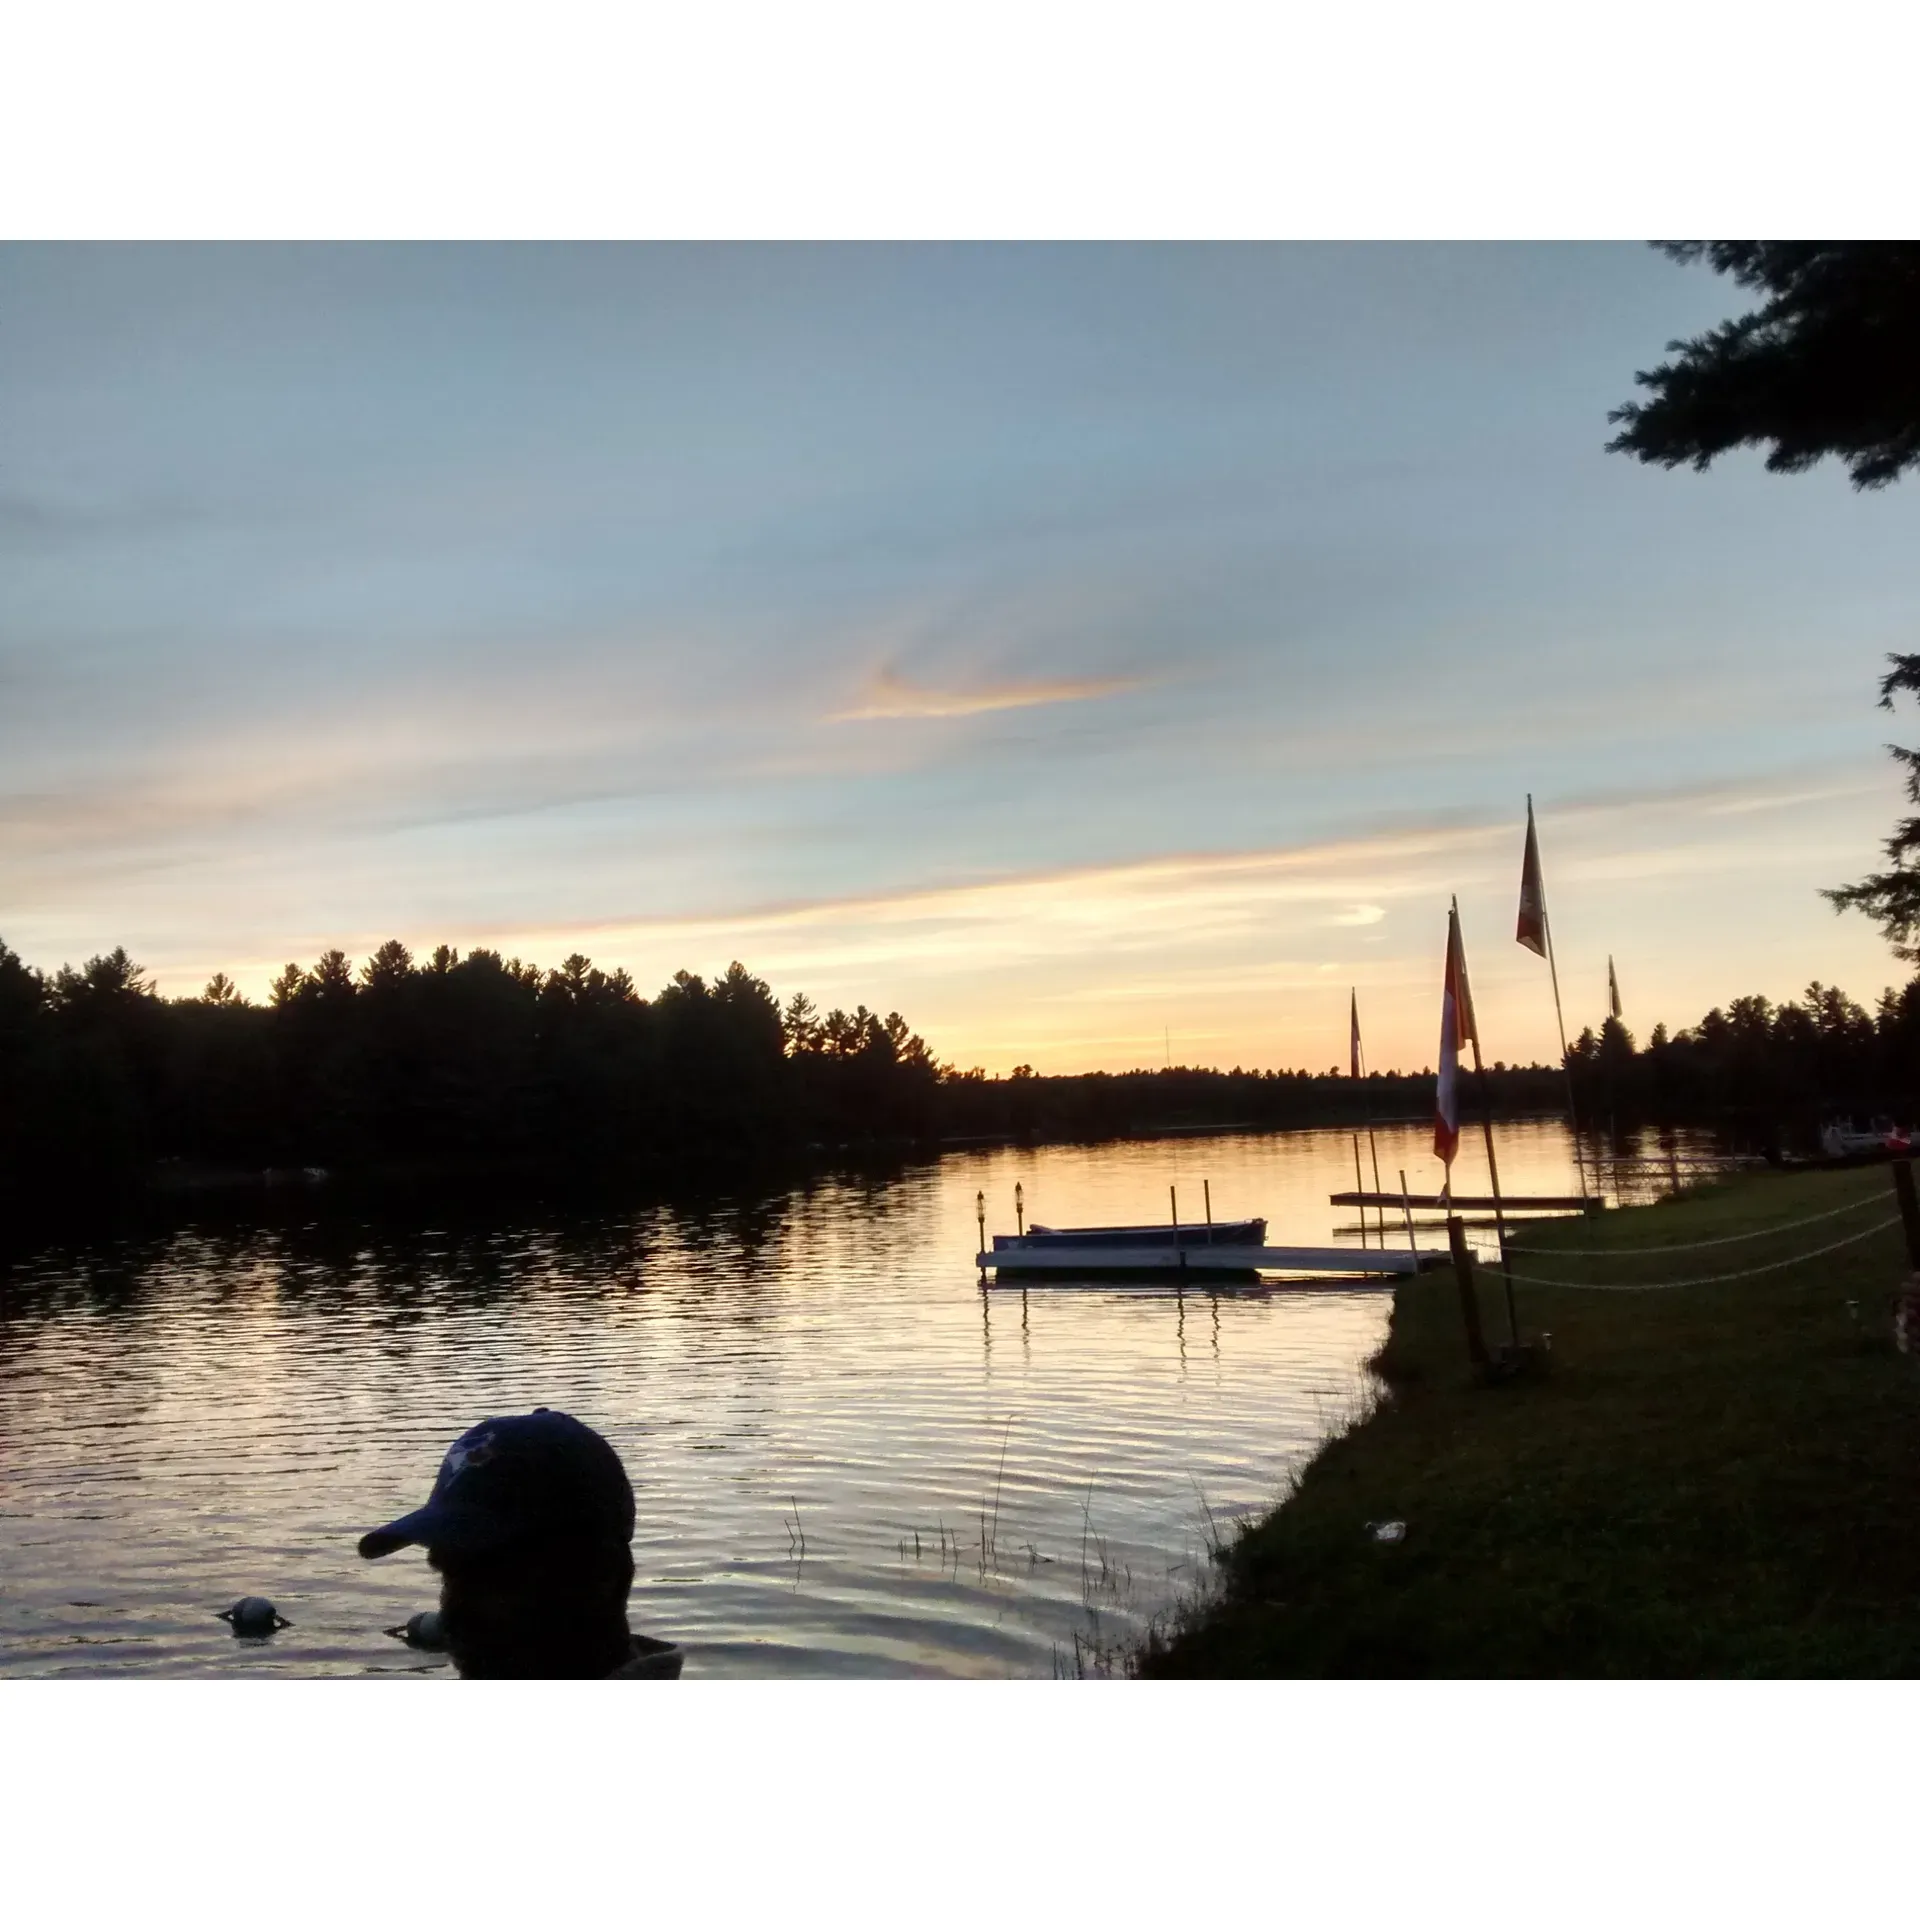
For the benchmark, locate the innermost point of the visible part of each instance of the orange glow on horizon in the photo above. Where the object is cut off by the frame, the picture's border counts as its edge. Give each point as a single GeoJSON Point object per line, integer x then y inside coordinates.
{"type": "Point", "coordinates": [1246, 958]}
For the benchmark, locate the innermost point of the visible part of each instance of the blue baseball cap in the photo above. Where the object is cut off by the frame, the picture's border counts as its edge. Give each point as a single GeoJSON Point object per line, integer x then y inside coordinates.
{"type": "Point", "coordinates": [513, 1479]}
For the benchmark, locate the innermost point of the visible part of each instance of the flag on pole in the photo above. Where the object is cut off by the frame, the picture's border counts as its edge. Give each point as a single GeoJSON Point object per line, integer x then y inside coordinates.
{"type": "Point", "coordinates": [1532, 930]}
{"type": "Point", "coordinates": [1613, 990]}
{"type": "Point", "coordinates": [1356, 1031]}
{"type": "Point", "coordinates": [1456, 1028]}
{"type": "Point", "coordinates": [1532, 933]}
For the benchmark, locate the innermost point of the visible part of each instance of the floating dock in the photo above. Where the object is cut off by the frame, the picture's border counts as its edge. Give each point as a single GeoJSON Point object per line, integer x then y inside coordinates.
{"type": "Point", "coordinates": [1473, 1202]}
{"type": "Point", "coordinates": [1204, 1262]}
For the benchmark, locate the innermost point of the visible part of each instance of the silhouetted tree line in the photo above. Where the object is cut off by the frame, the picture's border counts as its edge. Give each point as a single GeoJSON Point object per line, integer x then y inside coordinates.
{"type": "Point", "coordinates": [1760, 1069]}
{"type": "Point", "coordinates": [454, 1061]}
{"type": "Point", "coordinates": [1105, 1106]}
{"type": "Point", "coordinates": [475, 1061]}
{"type": "Point", "coordinates": [1757, 1064]}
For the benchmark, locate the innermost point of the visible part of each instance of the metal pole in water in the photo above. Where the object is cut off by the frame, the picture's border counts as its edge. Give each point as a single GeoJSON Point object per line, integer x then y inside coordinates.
{"type": "Point", "coordinates": [1493, 1165]}
{"type": "Point", "coordinates": [1173, 1200]}
{"type": "Point", "coordinates": [1406, 1208]}
{"type": "Point", "coordinates": [980, 1214]}
{"type": "Point", "coordinates": [1019, 1207]}
{"type": "Point", "coordinates": [1373, 1146]}
{"type": "Point", "coordinates": [1380, 1221]}
{"type": "Point", "coordinates": [1560, 1024]}
{"type": "Point", "coordinates": [1359, 1180]}
{"type": "Point", "coordinates": [1206, 1196]}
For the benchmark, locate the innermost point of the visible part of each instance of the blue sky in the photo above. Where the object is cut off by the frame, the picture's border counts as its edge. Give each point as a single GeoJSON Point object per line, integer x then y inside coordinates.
{"type": "Point", "coordinates": [1083, 649]}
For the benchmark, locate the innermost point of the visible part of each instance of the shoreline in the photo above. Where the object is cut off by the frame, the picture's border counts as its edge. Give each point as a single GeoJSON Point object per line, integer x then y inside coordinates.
{"type": "Point", "coordinates": [1709, 1480]}
{"type": "Point", "coordinates": [182, 1190]}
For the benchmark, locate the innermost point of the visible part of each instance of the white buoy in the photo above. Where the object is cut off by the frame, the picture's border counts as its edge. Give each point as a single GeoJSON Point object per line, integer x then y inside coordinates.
{"type": "Point", "coordinates": [254, 1617]}
{"type": "Point", "coordinates": [423, 1631]}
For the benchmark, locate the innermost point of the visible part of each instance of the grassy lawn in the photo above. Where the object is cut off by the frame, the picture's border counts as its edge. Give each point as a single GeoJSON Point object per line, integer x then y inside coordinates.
{"type": "Point", "coordinates": [1716, 1480]}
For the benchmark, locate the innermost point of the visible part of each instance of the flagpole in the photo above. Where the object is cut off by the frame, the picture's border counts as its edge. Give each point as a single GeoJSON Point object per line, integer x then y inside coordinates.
{"type": "Point", "coordinates": [1486, 1128]}
{"type": "Point", "coordinates": [1441, 1082]}
{"type": "Point", "coordinates": [1559, 1019]}
{"type": "Point", "coordinates": [1613, 1124]}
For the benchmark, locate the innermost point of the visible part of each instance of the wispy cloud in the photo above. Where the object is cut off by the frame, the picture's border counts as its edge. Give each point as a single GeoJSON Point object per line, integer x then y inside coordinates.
{"type": "Point", "coordinates": [1038, 964]}
{"type": "Point", "coordinates": [1155, 908]}
{"type": "Point", "coordinates": [889, 697]}
{"type": "Point", "coordinates": [31, 520]}
{"type": "Point", "coordinates": [1087, 964]}
{"type": "Point", "coordinates": [1800, 797]}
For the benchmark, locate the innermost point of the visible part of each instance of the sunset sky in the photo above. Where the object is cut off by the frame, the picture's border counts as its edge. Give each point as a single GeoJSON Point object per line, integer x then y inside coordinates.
{"type": "Point", "coordinates": [1091, 652]}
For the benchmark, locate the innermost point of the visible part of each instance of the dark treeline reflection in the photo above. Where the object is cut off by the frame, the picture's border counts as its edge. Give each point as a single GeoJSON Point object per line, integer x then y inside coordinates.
{"type": "Point", "coordinates": [391, 1258]}
{"type": "Point", "coordinates": [470, 1060]}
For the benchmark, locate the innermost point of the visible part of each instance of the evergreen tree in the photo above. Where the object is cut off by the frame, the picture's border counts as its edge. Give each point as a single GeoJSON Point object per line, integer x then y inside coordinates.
{"type": "Point", "coordinates": [1891, 897]}
{"type": "Point", "coordinates": [1828, 363]}
{"type": "Point", "coordinates": [390, 967]}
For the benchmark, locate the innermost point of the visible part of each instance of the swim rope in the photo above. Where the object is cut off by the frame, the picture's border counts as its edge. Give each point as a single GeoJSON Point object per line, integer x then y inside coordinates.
{"type": "Point", "coordinates": [1705, 1279]}
{"type": "Point", "coordinates": [1690, 1246]}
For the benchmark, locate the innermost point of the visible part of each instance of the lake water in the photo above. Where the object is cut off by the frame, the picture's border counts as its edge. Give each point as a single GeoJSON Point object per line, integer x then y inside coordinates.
{"type": "Point", "coordinates": [848, 1457]}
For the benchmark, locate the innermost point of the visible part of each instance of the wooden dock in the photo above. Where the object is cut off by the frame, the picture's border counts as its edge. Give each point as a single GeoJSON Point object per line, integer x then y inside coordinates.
{"type": "Point", "coordinates": [1473, 1202]}
{"type": "Point", "coordinates": [1208, 1262]}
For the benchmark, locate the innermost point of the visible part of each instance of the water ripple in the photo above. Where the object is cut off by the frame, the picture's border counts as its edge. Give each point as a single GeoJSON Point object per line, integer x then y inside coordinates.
{"type": "Point", "coordinates": [847, 1458]}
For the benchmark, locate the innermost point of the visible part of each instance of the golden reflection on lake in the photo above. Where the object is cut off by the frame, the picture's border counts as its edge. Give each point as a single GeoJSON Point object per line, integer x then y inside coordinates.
{"type": "Point", "coordinates": [848, 1457]}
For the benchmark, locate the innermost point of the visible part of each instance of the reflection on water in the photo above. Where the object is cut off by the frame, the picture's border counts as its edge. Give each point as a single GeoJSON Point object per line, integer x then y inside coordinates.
{"type": "Point", "coordinates": [848, 1457]}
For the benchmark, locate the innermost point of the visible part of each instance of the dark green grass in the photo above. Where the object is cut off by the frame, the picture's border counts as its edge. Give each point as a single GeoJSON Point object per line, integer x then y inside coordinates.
{"type": "Point", "coordinates": [1717, 1481]}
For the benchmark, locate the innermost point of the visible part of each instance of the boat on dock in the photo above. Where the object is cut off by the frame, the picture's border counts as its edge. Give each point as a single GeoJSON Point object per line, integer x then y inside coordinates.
{"type": "Point", "coordinates": [1028, 1258]}
{"type": "Point", "coordinates": [1214, 1233]}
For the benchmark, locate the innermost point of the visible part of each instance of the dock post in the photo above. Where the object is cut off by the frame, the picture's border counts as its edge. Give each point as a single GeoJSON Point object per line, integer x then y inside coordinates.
{"type": "Point", "coordinates": [1469, 1298]}
{"type": "Point", "coordinates": [1360, 1181]}
{"type": "Point", "coordinates": [1173, 1200]}
{"type": "Point", "coordinates": [1019, 1207]}
{"type": "Point", "coordinates": [1909, 1210]}
{"type": "Point", "coordinates": [1206, 1200]}
{"type": "Point", "coordinates": [980, 1214]}
{"type": "Point", "coordinates": [1406, 1209]}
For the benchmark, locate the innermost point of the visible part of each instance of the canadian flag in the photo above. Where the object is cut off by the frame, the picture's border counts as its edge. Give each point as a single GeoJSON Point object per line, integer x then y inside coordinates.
{"type": "Point", "coordinates": [1532, 930]}
{"type": "Point", "coordinates": [1456, 1028]}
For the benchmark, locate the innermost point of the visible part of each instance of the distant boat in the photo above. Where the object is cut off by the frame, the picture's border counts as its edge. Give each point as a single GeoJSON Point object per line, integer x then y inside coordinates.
{"type": "Point", "coordinates": [1843, 1140]}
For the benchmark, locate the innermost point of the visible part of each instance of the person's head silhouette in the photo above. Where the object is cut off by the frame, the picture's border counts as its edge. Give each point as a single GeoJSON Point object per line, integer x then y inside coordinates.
{"type": "Point", "coordinates": [529, 1526]}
